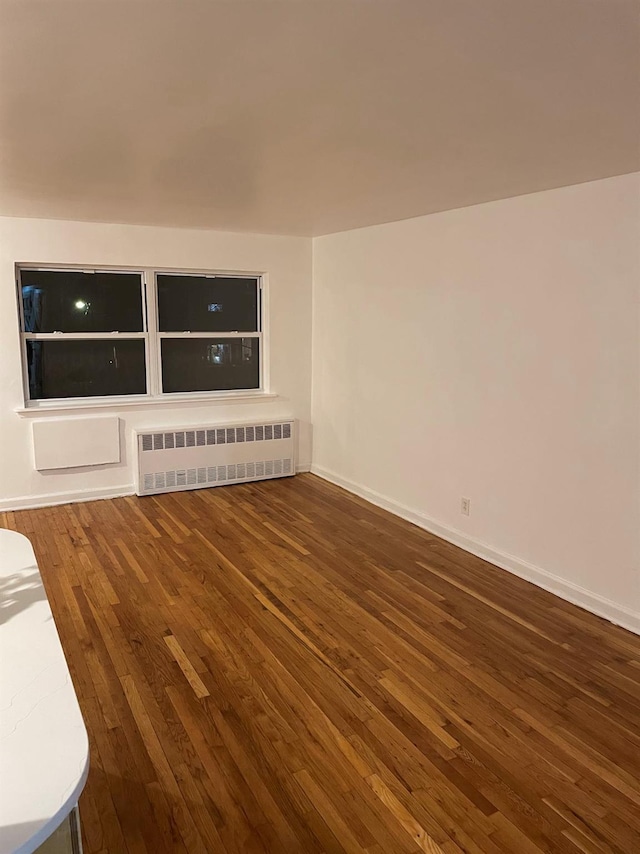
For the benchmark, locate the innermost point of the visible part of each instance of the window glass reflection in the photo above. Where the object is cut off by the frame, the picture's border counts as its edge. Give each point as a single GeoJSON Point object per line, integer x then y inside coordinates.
{"type": "Point", "coordinates": [72, 301]}
{"type": "Point", "coordinates": [206, 364]}
{"type": "Point", "coordinates": [89, 368]}
{"type": "Point", "coordinates": [201, 304]}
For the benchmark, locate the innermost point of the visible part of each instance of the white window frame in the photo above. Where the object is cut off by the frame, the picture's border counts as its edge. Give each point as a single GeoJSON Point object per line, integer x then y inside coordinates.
{"type": "Point", "coordinates": [152, 338]}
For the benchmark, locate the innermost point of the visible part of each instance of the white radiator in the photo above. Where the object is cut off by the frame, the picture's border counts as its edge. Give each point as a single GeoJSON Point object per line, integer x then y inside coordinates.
{"type": "Point", "coordinates": [213, 455]}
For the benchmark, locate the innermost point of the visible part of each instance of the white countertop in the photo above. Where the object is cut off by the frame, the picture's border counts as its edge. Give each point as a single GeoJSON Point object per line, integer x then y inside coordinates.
{"type": "Point", "coordinates": [44, 750]}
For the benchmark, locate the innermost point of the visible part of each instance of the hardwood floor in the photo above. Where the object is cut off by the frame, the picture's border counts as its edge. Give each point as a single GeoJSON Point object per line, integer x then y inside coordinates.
{"type": "Point", "coordinates": [282, 667]}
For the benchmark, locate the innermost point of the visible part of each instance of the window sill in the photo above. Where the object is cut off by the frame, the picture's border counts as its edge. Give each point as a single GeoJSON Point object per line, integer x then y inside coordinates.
{"type": "Point", "coordinates": [169, 402]}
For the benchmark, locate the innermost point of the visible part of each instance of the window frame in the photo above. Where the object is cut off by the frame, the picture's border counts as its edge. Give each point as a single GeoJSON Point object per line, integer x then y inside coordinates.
{"type": "Point", "coordinates": [152, 337]}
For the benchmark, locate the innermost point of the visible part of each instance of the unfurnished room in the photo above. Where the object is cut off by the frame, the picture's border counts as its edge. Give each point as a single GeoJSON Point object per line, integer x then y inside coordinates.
{"type": "Point", "coordinates": [320, 426]}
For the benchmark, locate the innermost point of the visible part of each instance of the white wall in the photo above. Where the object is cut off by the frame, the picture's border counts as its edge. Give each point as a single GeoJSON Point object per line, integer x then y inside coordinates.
{"type": "Point", "coordinates": [492, 352]}
{"type": "Point", "coordinates": [286, 260]}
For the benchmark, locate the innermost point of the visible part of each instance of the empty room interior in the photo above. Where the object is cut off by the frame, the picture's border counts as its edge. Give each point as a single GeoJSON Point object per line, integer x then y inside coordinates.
{"type": "Point", "coordinates": [319, 426]}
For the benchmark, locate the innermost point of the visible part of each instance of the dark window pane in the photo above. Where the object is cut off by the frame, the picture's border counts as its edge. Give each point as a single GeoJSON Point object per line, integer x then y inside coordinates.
{"type": "Point", "coordinates": [198, 304]}
{"type": "Point", "coordinates": [68, 301]}
{"type": "Point", "coordinates": [210, 364]}
{"type": "Point", "coordinates": [85, 368]}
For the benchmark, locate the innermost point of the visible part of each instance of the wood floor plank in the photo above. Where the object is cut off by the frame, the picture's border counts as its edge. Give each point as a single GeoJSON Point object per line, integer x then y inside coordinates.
{"type": "Point", "coordinates": [282, 668]}
{"type": "Point", "coordinates": [191, 675]}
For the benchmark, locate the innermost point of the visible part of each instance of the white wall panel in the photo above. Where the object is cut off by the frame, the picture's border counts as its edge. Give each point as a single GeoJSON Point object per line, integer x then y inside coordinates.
{"type": "Point", "coordinates": [63, 443]}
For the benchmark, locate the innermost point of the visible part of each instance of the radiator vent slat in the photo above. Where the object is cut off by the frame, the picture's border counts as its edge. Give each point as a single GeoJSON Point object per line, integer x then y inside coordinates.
{"type": "Point", "coordinates": [201, 457]}
{"type": "Point", "coordinates": [216, 474]}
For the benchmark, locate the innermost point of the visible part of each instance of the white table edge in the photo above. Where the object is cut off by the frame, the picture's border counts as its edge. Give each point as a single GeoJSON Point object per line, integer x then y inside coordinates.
{"type": "Point", "coordinates": [51, 823]}
{"type": "Point", "coordinates": [56, 820]}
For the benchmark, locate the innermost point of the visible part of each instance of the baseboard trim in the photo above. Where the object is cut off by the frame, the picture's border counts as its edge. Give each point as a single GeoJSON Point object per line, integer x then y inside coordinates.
{"type": "Point", "coordinates": [573, 593]}
{"type": "Point", "coordinates": [51, 499]}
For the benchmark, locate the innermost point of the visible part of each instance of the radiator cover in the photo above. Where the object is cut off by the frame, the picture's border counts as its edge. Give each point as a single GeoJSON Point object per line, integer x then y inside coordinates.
{"type": "Point", "coordinates": [213, 455]}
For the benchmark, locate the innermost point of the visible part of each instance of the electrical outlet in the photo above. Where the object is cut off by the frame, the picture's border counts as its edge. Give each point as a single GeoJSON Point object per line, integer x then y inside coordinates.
{"type": "Point", "coordinates": [465, 506]}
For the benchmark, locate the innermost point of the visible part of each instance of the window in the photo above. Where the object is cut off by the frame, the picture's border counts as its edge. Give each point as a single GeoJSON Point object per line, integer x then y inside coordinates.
{"type": "Point", "coordinates": [221, 349]}
{"type": "Point", "coordinates": [100, 334]}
